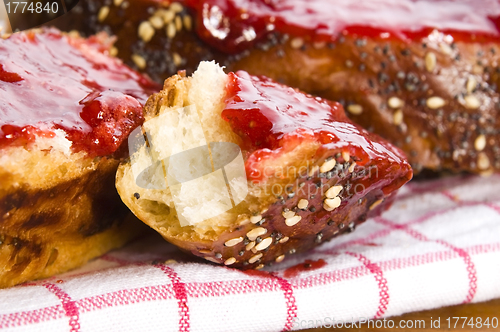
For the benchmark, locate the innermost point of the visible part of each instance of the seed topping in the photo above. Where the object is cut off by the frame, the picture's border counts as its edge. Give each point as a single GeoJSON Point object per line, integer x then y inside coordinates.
{"type": "Point", "coordinates": [233, 242]}
{"type": "Point", "coordinates": [264, 243]}
{"type": "Point", "coordinates": [254, 233]}
{"type": "Point", "coordinates": [293, 220]}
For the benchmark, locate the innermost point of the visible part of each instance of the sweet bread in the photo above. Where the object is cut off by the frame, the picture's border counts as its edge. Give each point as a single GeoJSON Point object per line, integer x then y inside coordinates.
{"type": "Point", "coordinates": [422, 74]}
{"type": "Point", "coordinates": [312, 174]}
{"type": "Point", "coordinates": [61, 130]}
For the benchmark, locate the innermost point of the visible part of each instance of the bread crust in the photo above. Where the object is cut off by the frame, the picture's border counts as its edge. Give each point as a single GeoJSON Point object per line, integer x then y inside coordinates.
{"type": "Point", "coordinates": [361, 71]}
{"type": "Point", "coordinates": [51, 226]}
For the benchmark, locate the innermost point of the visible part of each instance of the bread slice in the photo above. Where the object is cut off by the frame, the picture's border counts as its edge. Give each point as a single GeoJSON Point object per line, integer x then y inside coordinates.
{"type": "Point", "coordinates": [301, 172]}
{"type": "Point", "coordinates": [61, 129]}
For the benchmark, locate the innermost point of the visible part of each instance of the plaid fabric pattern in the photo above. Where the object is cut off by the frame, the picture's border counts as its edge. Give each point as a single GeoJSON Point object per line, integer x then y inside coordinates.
{"type": "Point", "coordinates": [438, 245]}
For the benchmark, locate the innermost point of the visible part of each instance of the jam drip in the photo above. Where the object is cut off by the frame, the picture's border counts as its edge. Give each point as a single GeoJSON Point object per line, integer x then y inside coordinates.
{"type": "Point", "coordinates": [51, 81]}
{"type": "Point", "coordinates": [235, 25]}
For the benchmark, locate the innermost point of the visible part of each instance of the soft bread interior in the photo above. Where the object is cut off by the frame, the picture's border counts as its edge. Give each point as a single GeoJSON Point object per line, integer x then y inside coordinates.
{"type": "Point", "coordinates": [42, 163]}
{"type": "Point", "coordinates": [186, 115]}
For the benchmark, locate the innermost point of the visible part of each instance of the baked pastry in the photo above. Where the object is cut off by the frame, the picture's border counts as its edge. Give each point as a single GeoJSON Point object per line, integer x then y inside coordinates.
{"type": "Point", "coordinates": [422, 74]}
{"type": "Point", "coordinates": [65, 106]}
{"type": "Point", "coordinates": [312, 174]}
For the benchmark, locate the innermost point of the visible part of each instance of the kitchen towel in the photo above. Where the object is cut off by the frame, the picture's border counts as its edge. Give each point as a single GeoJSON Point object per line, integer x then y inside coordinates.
{"type": "Point", "coordinates": [438, 245]}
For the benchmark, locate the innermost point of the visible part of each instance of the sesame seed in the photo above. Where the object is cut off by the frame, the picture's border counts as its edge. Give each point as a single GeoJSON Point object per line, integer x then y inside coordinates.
{"type": "Point", "coordinates": [430, 61]}
{"type": "Point", "coordinates": [168, 16]}
{"type": "Point", "coordinates": [395, 102]}
{"type": "Point", "coordinates": [139, 61]}
{"type": "Point", "coordinates": [233, 242]}
{"type": "Point", "coordinates": [279, 259]}
{"type": "Point", "coordinates": [435, 102]}
{"type": "Point", "coordinates": [218, 255]}
{"type": "Point", "coordinates": [250, 246]}
{"type": "Point", "coordinates": [346, 156]}
{"type": "Point", "coordinates": [313, 170]}
{"type": "Point", "coordinates": [264, 244]}
{"type": "Point", "coordinates": [303, 203]}
{"type": "Point", "coordinates": [327, 166]}
{"type": "Point", "coordinates": [255, 219]}
{"type": "Point", "coordinates": [211, 259]}
{"type": "Point", "coordinates": [331, 204]}
{"type": "Point", "coordinates": [355, 109]}
{"type": "Point", "coordinates": [471, 102]}
{"type": "Point", "coordinates": [255, 258]}
{"type": "Point", "coordinates": [171, 30]}
{"type": "Point", "coordinates": [176, 7]}
{"type": "Point", "coordinates": [103, 13]}
{"type": "Point", "coordinates": [288, 214]}
{"type": "Point", "coordinates": [72, 33]}
{"type": "Point", "coordinates": [113, 51]}
{"type": "Point", "coordinates": [230, 261]}
{"type": "Point", "coordinates": [117, 2]}
{"type": "Point", "coordinates": [296, 42]}
{"type": "Point", "coordinates": [283, 240]}
{"type": "Point", "coordinates": [471, 84]}
{"type": "Point", "coordinates": [351, 168]}
{"type": "Point", "coordinates": [293, 220]}
{"type": "Point", "coordinates": [252, 235]}
{"type": "Point", "coordinates": [137, 195]}
{"type": "Point", "coordinates": [156, 22]}
{"type": "Point", "coordinates": [480, 143]}
{"type": "Point", "coordinates": [397, 117]}
{"type": "Point", "coordinates": [333, 191]}
{"type": "Point", "coordinates": [483, 162]}
{"type": "Point", "coordinates": [260, 266]}
{"type": "Point", "coordinates": [188, 22]}
{"type": "Point", "coordinates": [178, 23]}
{"type": "Point", "coordinates": [146, 31]}
{"type": "Point", "coordinates": [375, 204]}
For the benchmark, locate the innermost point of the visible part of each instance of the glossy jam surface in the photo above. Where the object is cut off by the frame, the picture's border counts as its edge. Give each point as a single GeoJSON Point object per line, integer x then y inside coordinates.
{"type": "Point", "coordinates": [50, 81]}
{"type": "Point", "coordinates": [308, 265]}
{"type": "Point", "coordinates": [234, 25]}
{"type": "Point", "coordinates": [272, 118]}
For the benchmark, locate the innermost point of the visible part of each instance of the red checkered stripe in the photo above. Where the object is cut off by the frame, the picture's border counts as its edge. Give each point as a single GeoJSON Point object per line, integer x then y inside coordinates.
{"type": "Point", "coordinates": [183, 291]}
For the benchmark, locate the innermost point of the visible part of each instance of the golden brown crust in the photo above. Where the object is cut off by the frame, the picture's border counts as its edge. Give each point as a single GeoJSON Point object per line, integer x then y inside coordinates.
{"type": "Point", "coordinates": [51, 226]}
{"type": "Point", "coordinates": [283, 215]}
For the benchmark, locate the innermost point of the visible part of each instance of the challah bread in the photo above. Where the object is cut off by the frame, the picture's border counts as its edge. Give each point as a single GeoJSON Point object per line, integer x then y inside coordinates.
{"type": "Point", "coordinates": [309, 173]}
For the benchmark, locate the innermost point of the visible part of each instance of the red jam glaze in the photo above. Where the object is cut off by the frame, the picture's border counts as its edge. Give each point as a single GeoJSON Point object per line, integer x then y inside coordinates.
{"type": "Point", "coordinates": [308, 265]}
{"type": "Point", "coordinates": [272, 119]}
{"type": "Point", "coordinates": [51, 81]}
{"type": "Point", "coordinates": [235, 25]}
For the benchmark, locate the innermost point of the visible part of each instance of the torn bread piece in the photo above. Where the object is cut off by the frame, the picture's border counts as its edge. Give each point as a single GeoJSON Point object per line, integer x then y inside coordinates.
{"type": "Point", "coordinates": [243, 171]}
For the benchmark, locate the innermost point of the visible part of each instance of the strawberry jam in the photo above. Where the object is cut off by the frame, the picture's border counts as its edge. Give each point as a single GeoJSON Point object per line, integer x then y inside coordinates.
{"type": "Point", "coordinates": [51, 81]}
{"type": "Point", "coordinates": [235, 25]}
{"type": "Point", "coordinates": [272, 118]}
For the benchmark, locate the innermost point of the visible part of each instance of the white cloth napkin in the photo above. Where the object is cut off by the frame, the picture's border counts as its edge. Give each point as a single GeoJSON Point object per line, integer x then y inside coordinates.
{"type": "Point", "coordinates": [438, 245]}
